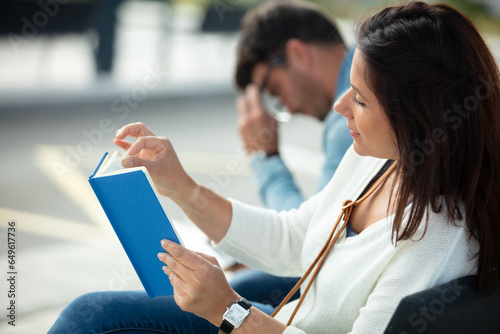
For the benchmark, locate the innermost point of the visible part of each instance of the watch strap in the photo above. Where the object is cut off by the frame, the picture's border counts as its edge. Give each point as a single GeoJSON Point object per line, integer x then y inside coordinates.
{"type": "Point", "coordinates": [272, 154]}
{"type": "Point", "coordinates": [261, 154]}
{"type": "Point", "coordinates": [226, 327]}
{"type": "Point", "coordinates": [244, 303]}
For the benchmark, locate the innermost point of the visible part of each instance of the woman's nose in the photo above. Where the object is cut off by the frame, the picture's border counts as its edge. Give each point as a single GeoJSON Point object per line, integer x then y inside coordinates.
{"type": "Point", "coordinates": [342, 105]}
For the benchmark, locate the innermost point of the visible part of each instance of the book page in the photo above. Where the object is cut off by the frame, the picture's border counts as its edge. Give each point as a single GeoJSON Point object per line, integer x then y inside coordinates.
{"type": "Point", "coordinates": [113, 163]}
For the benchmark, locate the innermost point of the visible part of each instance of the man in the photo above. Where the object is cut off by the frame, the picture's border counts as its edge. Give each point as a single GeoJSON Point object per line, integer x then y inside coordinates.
{"type": "Point", "coordinates": [294, 52]}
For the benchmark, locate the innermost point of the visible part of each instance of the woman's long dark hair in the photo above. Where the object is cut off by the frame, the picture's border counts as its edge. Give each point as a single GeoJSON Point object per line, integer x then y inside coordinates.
{"type": "Point", "coordinates": [440, 88]}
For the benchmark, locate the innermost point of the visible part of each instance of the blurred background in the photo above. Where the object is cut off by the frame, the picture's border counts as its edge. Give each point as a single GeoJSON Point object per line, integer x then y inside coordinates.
{"type": "Point", "coordinates": [72, 73]}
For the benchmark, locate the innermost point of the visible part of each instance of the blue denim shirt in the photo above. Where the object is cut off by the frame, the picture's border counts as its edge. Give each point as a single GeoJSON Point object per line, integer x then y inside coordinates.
{"type": "Point", "coordinates": [275, 183]}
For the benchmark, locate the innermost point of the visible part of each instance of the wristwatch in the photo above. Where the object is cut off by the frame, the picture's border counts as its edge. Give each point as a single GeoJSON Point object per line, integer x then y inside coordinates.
{"type": "Point", "coordinates": [235, 315]}
{"type": "Point", "coordinates": [261, 154]}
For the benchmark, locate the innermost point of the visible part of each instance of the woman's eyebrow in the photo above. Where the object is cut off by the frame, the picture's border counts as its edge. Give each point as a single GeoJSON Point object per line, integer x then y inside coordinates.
{"type": "Point", "coordinates": [357, 91]}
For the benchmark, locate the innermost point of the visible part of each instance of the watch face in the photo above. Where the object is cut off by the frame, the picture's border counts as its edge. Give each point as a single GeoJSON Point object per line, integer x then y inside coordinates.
{"type": "Point", "coordinates": [236, 314]}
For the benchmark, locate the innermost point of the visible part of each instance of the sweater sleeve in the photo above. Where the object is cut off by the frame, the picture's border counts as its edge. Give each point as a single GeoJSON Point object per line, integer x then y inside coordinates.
{"type": "Point", "coordinates": [267, 240]}
{"type": "Point", "coordinates": [293, 330]}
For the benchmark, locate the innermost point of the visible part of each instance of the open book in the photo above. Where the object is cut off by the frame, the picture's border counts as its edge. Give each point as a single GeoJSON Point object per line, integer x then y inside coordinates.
{"type": "Point", "coordinates": [129, 199]}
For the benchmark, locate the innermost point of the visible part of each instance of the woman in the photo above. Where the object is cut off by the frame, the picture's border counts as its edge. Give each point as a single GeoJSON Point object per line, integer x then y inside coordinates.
{"type": "Point", "coordinates": [424, 113]}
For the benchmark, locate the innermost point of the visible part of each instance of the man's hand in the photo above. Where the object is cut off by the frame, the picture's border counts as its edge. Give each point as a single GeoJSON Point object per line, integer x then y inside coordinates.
{"type": "Point", "coordinates": [258, 130]}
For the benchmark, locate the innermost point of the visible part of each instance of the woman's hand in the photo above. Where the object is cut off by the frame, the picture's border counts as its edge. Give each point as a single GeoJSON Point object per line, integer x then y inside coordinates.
{"type": "Point", "coordinates": [157, 155]}
{"type": "Point", "coordinates": [199, 283]}
{"type": "Point", "coordinates": [209, 211]}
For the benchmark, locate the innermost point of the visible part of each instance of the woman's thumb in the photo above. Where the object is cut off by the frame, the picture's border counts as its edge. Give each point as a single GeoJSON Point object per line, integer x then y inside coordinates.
{"type": "Point", "coordinates": [134, 162]}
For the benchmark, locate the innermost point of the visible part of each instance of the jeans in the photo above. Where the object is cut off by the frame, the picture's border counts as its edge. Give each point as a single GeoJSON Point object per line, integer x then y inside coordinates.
{"type": "Point", "coordinates": [131, 312]}
{"type": "Point", "coordinates": [262, 287]}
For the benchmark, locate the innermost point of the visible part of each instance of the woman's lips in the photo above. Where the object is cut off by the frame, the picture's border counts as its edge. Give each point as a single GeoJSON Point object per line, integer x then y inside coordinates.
{"type": "Point", "coordinates": [354, 134]}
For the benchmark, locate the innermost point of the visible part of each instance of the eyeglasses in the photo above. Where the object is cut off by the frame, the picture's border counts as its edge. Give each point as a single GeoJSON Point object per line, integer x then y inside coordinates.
{"type": "Point", "coordinates": [273, 104]}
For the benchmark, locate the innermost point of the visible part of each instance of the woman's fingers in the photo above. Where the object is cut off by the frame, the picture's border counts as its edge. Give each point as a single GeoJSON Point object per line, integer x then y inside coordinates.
{"type": "Point", "coordinates": [154, 144]}
{"type": "Point", "coordinates": [122, 144]}
{"type": "Point", "coordinates": [189, 266]}
{"type": "Point", "coordinates": [134, 130]}
{"type": "Point", "coordinates": [178, 255]}
{"type": "Point", "coordinates": [199, 283]}
{"type": "Point", "coordinates": [187, 283]}
{"type": "Point", "coordinates": [209, 258]}
{"type": "Point", "coordinates": [158, 156]}
{"type": "Point", "coordinates": [173, 268]}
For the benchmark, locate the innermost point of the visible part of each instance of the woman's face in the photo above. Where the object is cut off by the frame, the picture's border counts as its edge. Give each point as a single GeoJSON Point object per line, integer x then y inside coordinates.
{"type": "Point", "coordinates": [370, 128]}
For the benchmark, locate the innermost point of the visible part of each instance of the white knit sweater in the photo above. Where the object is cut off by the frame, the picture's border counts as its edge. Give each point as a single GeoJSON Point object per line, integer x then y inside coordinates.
{"type": "Point", "coordinates": [365, 276]}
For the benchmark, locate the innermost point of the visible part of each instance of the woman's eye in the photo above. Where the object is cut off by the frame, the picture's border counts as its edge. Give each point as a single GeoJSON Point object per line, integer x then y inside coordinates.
{"type": "Point", "coordinates": [357, 102]}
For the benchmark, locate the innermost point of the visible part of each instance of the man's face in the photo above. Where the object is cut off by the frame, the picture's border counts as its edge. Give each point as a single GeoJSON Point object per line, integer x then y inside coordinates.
{"type": "Point", "coordinates": [297, 89]}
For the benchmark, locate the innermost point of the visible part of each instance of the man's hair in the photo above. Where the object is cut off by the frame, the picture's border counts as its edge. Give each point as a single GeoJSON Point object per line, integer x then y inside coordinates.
{"type": "Point", "coordinates": [266, 29]}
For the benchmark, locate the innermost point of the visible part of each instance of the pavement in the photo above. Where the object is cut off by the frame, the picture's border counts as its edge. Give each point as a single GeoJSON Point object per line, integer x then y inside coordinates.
{"type": "Point", "coordinates": [58, 118]}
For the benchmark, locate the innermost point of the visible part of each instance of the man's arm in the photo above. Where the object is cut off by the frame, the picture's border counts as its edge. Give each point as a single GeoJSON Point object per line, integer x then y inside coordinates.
{"type": "Point", "coordinates": [259, 132]}
{"type": "Point", "coordinates": [275, 183]}
{"type": "Point", "coordinates": [336, 140]}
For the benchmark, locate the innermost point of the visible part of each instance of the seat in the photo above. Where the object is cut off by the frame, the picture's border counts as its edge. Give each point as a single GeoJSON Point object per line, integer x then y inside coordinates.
{"type": "Point", "coordinates": [453, 307]}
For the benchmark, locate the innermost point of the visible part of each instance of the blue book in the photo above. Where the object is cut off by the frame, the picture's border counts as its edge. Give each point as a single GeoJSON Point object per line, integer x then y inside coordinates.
{"type": "Point", "coordinates": [130, 201]}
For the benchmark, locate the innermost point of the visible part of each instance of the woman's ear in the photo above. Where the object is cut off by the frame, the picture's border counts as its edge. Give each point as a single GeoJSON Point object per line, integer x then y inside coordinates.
{"type": "Point", "coordinates": [298, 54]}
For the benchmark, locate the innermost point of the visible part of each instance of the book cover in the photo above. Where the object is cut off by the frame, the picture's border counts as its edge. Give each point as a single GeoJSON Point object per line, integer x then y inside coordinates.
{"type": "Point", "coordinates": [131, 204]}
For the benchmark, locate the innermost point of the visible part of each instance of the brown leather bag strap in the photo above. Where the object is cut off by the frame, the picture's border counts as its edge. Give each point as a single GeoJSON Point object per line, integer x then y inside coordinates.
{"type": "Point", "coordinates": [345, 214]}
